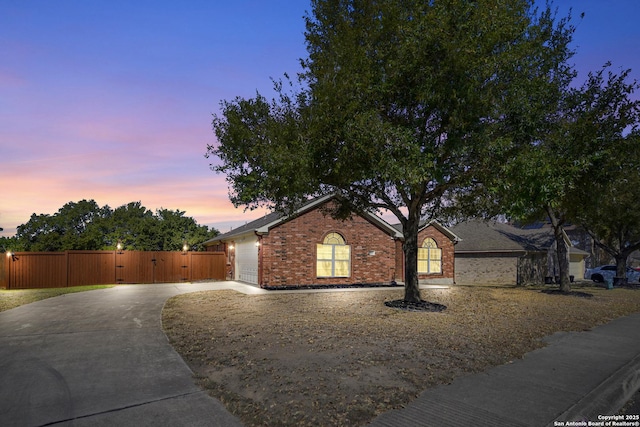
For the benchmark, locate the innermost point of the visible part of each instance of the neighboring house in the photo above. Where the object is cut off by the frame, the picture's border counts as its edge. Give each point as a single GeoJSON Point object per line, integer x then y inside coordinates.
{"type": "Point", "coordinates": [310, 248]}
{"type": "Point", "coordinates": [495, 253]}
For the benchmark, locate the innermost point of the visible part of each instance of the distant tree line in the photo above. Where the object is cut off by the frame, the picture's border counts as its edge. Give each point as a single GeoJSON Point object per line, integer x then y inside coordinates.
{"type": "Point", "coordinates": [84, 225]}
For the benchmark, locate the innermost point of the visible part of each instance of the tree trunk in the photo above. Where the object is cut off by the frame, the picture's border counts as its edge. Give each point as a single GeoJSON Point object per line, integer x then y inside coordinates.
{"type": "Point", "coordinates": [562, 251]}
{"type": "Point", "coordinates": [619, 248]}
{"type": "Point", "coordinates": [410, 248]}
{"type": "Point", "coordinates": [621, 269]}
{"type": "Point", "coordinates": [563, 262]}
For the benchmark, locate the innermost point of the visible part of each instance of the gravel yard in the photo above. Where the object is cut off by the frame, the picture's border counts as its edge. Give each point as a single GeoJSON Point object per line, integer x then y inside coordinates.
{"type": "Point", "coordinates": [342, 358]}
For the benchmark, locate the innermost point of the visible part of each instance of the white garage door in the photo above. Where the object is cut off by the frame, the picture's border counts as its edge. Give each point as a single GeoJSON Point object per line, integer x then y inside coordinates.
{"type": "Point", "coordinates": [247, 261]}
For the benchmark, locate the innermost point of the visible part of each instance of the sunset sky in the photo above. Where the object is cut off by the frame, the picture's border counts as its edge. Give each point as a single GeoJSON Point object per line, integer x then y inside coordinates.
{"type": "Point", "coordinates": [112, 100]}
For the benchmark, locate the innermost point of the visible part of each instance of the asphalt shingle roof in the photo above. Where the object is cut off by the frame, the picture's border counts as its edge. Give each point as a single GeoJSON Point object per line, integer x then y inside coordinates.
{"type": "Point", "coordinates": [250, 226]}
{"type": "Point", "coordinates": [489, 236]}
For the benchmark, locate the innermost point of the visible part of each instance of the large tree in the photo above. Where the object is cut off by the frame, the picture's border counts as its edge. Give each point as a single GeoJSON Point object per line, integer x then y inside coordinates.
{"type": "Point", "coordinates": [605, 198]}
{"type": "Point", "coordinates": [609, 210]}
{"type": "Point", "coordinates": [74, 226]}
{"type": "Point", "coordinates": [401, 106]}
{"type": "Point", "coordinates": [84, 225]}
{"type": "Point", "coordinates": [532, 180]}
{"type": "Point", "coordinates": [579, 167]}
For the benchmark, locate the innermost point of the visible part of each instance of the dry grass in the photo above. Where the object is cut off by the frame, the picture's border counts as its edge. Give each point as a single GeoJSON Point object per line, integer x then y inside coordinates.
{"type": "Point", "coordinates": [13, 298]}
{"type": "Point", "coordinates": [343, 358]}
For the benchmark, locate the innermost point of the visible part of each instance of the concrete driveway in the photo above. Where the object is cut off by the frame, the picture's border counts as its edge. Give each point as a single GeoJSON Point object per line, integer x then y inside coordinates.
{"type": "Point", "coordinates": [101, 358]}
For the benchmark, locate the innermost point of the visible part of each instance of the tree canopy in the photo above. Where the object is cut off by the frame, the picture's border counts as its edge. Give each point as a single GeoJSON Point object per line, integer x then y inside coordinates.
{"type": "Point", "coordinates": [581, 168]}
{"type": "Point", "coordinates": [403, 106]}
{"type": "Point", "coordinates": [84, 225]}
{"type": "Point", "coordinates": [605, 196]}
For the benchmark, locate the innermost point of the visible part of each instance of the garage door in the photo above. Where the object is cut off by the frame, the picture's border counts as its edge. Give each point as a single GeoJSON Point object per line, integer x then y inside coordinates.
{"type": "Point", "coordinates": [485, 269]}
{"type": "Point", "coordinates": [247, 261]}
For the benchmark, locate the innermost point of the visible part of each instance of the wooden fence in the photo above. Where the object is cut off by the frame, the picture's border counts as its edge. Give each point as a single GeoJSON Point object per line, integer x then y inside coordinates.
{"type": "Point", "coordinates": [30, 270]}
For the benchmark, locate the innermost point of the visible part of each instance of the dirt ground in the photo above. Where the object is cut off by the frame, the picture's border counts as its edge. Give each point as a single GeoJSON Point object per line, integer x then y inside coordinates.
{"type": "Point", "coordinates": [342, 358]}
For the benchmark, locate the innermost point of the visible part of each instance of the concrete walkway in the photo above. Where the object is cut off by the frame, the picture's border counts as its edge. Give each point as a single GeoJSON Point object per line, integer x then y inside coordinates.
{"type": "Point", "coordinates": [101, 358]}
{"type": "Point", "coordinates": [579, 376]}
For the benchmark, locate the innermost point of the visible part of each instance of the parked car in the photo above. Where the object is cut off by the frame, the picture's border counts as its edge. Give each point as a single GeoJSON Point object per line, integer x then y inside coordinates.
{"type": "Point", "coordinates": [604, 272]}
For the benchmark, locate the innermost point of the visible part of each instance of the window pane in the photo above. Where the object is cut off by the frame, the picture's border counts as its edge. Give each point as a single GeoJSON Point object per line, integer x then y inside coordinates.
{"type": "Point", "coordinates": [333, 260]}
{"type": "Point", "coordinates": [324, 268]}
{"type": "Point", "coordinates": [342, 269]}
{"type": "Point", "coordinates": [342, 252]}
{"type": "Point", "coordinates": [333, 239]}
{"type": "Point", "coordinates": [429, 260]}
{"type": "Point", "coordinates": [324, 251]}
{"type": "Point", "coordinates": [429, 243]}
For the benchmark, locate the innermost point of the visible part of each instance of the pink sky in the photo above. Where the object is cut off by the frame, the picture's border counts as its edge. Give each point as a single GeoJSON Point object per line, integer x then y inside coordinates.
{"type": "Point", "coordinates": [112, 101]}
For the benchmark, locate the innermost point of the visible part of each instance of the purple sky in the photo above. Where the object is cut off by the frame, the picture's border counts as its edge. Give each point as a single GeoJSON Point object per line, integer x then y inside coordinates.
{"type": "Point", "coordinates": [111, 100]}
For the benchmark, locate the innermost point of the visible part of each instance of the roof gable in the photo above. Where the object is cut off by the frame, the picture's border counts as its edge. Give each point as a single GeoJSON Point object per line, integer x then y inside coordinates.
{"type": "Point", "coordinates": [441, 228]}
{"type": "Point", "coordinates": [263, 224]}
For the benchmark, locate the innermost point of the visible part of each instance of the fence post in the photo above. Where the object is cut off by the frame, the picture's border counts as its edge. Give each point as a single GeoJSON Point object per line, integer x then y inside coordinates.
{"type": "Point", "coordinates": [9, 264]}
{"type": "Point", "coordinates": [119, 266]}
{"type": "Point", "coordinates": [186, 275]}
{"type": "Point", "coordinates": [5, 277]}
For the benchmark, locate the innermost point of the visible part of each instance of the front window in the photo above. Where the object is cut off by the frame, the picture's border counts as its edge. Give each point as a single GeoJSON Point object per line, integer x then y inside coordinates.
{"type": "Point", "coordinates": [333, 257]}
{"type": "Point", "coordinates": [429, 257]}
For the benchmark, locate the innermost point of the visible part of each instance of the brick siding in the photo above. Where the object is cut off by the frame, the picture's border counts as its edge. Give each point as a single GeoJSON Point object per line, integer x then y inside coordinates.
{"type": "Point", "coordinates": [288, 252]}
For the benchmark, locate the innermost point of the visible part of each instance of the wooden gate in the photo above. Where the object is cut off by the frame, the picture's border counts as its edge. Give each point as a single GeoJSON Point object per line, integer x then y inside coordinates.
{"type": "Point", "coordinates": [168, 267]}
{"type": "Point", "coordinates": [29, 270]}
{"type": "Point", "coordinates": [208, 266]}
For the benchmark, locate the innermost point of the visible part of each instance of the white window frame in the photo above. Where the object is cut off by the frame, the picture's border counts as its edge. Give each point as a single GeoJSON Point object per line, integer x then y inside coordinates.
{"type": "Point", "coordinates": [430, 246]}
{"type": "Point", "coordinates": [333, 240]}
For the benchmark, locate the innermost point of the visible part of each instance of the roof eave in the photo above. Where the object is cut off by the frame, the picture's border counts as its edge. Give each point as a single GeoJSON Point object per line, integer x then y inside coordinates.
{"type": "Point", "coordinates": [384, 225]}
{"type": "Point", "coordinates": [229, 237]}
{"type": "Point", "coordinates": [444, 230]}
{"type": "Point", "coordinates": [497, 251]}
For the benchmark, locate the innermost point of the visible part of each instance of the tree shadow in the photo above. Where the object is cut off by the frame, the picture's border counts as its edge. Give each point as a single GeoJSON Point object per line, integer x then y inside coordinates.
{"type": "Point", "coordinates": [415, 306]}
{"type": "Point", "coordinates": [571, 293]}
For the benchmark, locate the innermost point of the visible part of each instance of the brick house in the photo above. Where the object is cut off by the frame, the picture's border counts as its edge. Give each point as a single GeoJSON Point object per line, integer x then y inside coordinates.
{"type": "Point", "coordinates": [310, 248]}
{"type": "Point", "coordinates": [493, 253]}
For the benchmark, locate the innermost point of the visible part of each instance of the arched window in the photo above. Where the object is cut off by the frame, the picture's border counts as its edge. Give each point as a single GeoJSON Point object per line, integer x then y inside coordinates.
{"type": "Point", "coordinates": [333, 257]}
{"type": "Point", "coordinates": [429, 257]}
{"type": "Point", "coordinates": [333, 239]}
